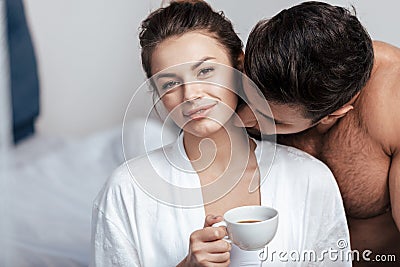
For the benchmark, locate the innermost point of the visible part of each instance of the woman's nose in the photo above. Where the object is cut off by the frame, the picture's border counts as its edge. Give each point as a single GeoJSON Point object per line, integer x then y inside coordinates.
{"type": "Point", "coordinates": [192, 90]}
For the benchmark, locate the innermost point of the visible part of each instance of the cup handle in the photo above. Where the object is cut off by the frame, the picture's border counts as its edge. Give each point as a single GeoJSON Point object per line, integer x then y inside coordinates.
{"type": "Point", "coordinates": [222, 223]}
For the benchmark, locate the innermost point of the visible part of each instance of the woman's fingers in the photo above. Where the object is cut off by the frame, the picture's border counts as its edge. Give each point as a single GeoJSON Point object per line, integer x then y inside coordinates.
{"type": "Point", "coordinates": [220, 246]}
{"type": "Point", "coordinates": [211, 219]}
{"type": "Point", "coordinates": [207, 247]}
{"type": "Point", "coordinates": [208, 234]}
{"type": "Point", "coordinates": [205, 259]}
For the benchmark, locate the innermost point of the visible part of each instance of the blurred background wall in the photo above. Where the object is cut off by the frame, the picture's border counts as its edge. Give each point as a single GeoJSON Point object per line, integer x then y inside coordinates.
{"type": "Point", "coordinates": [89, 58]}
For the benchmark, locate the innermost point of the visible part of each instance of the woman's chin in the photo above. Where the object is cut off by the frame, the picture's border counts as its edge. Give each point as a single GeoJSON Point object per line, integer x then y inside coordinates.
{"type": "Point", "coordinates": [204, 128]}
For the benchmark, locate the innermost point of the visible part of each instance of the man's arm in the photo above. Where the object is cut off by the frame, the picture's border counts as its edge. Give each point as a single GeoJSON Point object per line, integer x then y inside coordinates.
{"type": "Point", "coordinates": [394, 187]}
{"type": "Point", "coordinates": [394, 137]}
{"type": "Point", "coordinates": [387, 124]}
{"type": "Point", "coordinates": [392, 127]}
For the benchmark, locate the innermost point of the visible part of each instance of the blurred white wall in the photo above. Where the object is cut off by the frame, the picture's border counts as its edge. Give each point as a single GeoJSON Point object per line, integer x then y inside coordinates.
{"type": "Point", "coordinates": [89, 61]}
{"type": "Point", "coordinates": [88, 58]}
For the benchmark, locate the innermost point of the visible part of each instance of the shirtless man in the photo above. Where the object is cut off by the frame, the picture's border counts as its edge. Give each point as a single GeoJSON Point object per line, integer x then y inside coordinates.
{"type": "Point", "coordinates": [335, 94]}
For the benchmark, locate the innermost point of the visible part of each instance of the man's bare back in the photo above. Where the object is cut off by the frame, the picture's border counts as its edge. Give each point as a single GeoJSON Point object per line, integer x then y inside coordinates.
{"type": "Point", "coordinates": [361, 150]}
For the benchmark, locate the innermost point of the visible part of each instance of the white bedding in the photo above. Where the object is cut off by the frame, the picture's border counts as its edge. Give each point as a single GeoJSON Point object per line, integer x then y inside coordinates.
{"type": "Point", "coordinates": [50, 185]}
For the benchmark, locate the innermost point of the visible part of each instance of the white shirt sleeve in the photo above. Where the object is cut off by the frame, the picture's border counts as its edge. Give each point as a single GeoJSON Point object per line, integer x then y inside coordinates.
{"type": "Point", "coordinates": [110, 245]}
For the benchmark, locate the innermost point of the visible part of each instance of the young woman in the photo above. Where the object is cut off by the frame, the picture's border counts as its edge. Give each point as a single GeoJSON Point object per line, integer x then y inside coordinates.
{"type": "Point", "coordinates": [193, 56]}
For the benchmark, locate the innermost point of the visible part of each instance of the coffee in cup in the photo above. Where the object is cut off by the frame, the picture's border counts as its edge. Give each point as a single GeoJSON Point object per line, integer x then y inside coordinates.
{"type": "Point", "coordinates": [250, 227]}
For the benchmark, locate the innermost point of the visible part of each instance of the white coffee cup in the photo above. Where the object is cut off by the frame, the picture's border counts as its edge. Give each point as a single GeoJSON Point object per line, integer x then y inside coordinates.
{"type": "Point", "coordinates": [250, 227]}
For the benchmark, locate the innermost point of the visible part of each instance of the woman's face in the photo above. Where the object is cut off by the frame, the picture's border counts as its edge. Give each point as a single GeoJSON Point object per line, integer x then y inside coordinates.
{"type": "Point", "coordinates": [196, 82]}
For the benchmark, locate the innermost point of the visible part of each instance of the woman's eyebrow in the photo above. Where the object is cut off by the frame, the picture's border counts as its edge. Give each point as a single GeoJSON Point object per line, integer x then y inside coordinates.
{"type": "Point", "coordinates": [201, 61]}
{"type": "Point", "coordinates": [165, 75]}
{"type": "Point", "coordinates": [195, 66]}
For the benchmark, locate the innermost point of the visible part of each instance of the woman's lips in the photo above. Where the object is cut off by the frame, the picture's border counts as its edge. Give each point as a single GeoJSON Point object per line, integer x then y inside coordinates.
{"type": "Point", "coordinates": [199, 112]}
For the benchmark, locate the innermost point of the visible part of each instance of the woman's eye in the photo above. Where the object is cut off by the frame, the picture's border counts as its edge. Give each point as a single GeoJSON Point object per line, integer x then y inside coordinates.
{"type": "Point", "coordinates": [169, 85]}
{"type": "Point", "coordinates": [205, 72]}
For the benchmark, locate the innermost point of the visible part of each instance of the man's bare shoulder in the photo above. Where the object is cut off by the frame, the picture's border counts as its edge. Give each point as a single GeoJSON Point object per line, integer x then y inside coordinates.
{"type": "Point", "coordinates": [379, 100]}
{"type": "Point", "coordinates": [386, 53]}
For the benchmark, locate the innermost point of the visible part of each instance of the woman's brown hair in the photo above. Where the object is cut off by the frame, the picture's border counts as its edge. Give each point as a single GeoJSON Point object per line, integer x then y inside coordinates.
{"type": "Point", "coordinates": [186, 16]}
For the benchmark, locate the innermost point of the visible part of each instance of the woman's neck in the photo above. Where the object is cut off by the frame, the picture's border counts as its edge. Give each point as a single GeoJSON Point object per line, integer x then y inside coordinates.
{"type": "Point", "coordinates": [215, 152]}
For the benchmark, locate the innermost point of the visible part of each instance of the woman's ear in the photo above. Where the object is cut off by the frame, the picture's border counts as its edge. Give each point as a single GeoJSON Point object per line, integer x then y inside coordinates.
{"type": "Point", "coordinates": [240, 62]}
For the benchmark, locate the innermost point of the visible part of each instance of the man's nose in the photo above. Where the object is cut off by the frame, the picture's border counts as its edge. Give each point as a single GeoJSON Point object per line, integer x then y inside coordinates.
{"type": "Point", "coordinates": [245, 118]}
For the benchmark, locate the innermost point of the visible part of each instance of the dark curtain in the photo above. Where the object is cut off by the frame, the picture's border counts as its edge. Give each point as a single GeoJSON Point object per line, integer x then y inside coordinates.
{"type": "Point", "coordinates": [23, 71]}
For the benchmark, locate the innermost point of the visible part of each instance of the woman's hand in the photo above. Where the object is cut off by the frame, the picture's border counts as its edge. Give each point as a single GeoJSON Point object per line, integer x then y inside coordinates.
{"type": "Point", "coordinates": [207, 247]}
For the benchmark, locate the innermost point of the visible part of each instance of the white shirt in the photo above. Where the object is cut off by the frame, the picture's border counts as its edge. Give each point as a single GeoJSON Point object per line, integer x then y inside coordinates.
{"type": "Point", "coordinates": [131, 228]}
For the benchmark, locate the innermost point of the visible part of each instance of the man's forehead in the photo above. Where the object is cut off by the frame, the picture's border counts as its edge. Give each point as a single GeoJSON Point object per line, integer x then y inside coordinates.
{"type": "Point", "coordinates": [280, 113]}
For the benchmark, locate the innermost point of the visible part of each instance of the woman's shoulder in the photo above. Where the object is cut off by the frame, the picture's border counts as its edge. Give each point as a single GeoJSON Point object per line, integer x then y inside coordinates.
{"type": "Point", "coordinates": [297, 155]}
{"type": "Point", "coordinates": [299, 163]}
{"type": "Point", "coordinates": [290, 154]}
{"type": "Point", "coordinates": [121, 194]}
{"type": "Point", "coordinates": [303, 177]}
{"type": "Point", "coordinates": [117, 187]}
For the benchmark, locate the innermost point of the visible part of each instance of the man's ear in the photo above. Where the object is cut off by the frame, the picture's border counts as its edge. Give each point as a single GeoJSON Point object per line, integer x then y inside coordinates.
{"type": "Point", "coordinates": [336, 114]}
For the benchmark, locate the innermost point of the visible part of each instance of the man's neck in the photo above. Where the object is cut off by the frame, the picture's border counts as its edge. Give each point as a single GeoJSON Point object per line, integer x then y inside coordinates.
{"type": "Point", "coordinates": [321, 129]}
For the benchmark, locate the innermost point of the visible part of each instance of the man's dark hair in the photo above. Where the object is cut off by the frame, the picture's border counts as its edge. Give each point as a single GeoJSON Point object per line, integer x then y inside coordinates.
{"type": "Point", "coordinates": [314, 54]}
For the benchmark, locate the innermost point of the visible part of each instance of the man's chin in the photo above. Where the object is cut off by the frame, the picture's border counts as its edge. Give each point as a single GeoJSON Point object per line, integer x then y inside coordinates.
{"type": "Point", "coordinates": [256, 134]}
